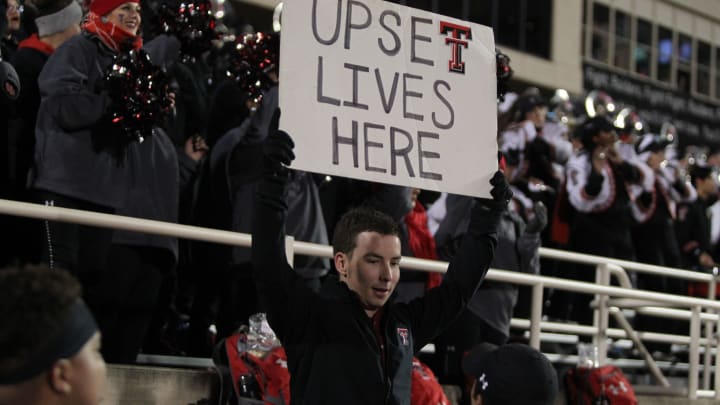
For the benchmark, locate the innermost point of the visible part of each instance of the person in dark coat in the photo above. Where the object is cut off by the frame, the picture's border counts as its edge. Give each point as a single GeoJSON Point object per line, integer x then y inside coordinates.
{"type": "Point", "coordinates": [78, 164]}
{"type": "Point", "coordinates": [654, 234]}
{"type": "Point", "coordinates": [10, 37]}
{"type": "Point", "coordinates": [57, 21]}
{"type": "Point", "coordinates": [9, 91]}
{"type": "Point", "coordinates": [82, 161]}
{"type": "Point", "coordinates": [692, 226]}
{"type": "Point", "coordinates": [598, 179]}
{"type": "Point", "coordinates": [351, 343]}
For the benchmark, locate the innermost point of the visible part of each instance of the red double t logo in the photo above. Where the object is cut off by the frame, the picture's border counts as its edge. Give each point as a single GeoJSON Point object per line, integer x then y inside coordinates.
{"type": "Point", "coordinates": [458, 39]}
{"type": "Point", "coordinates": [403, 333]}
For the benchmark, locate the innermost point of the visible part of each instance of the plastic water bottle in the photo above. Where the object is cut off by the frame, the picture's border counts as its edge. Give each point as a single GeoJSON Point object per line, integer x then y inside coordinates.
{"type": "Point", "coordinates": [587, 355]}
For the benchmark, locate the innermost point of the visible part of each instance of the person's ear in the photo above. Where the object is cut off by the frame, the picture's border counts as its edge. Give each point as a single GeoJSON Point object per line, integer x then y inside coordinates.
{"type": "Point", "coordinates": [342, 261]}
{"type": "Point", "coordinates": [59, 377]}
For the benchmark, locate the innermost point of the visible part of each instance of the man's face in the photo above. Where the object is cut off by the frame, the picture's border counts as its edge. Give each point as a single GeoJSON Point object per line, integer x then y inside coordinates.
{"type": "Point", "coordinates": [89, 373]}
{"type": "Point", "coordinates": [372, 269]}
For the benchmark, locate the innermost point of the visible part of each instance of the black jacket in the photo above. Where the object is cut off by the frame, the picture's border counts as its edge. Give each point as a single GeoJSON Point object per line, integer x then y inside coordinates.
{"type": "Point", "coordinates": [333, 355]}
{"type": "Point", "coordinates": [692, 228]}
{"type": "Point", "coordinates": [29, 60]}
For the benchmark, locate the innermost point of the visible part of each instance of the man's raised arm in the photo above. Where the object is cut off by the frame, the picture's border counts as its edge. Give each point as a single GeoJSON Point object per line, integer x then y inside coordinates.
{"type": "Point", "coordinates": [271, 271]}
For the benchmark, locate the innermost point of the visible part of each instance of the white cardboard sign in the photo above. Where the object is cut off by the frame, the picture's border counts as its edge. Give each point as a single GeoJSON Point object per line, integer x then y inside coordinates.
{"type": "Point", "coordinates": [387, 93]}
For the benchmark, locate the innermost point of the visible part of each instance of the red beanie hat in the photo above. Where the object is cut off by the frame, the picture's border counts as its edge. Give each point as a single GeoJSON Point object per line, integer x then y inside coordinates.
{"type": "Point", "coordinates": [103, 7]}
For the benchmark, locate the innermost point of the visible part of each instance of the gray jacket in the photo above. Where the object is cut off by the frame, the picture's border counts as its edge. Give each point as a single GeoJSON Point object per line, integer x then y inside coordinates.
{"type": "Point", "coordinates": [71, 157]}
{"type": "Point", "coordinates": [517, 250]}
{"type": "Point", "coordinates": [74, 155]}
{"type": "Point", "coordinates": [154, 192]}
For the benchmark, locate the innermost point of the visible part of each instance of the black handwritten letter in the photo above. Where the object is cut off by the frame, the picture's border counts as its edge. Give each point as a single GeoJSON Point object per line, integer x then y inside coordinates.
{"type": "Point", "coordinates": [422, 154]}
{"type": "Point", "coordinates": [404, 152]}
{"type": "Point", "coordinates": [354, 102]}
{"type": "Point", "coordinates": [445, 101]}
{"type": "Point", "coordinates": [370, 144]}
{"type": "Point", "coordinates": [407, 93]}
{"type": "Point", "coordinates": [348, 20]}
{"type": "Point", "coordinates": [396, 48]}
{"type": "Point", "coordinates": [320, 97]}
{"type": "Point", "coordinates": [337, 140]}
{"type": "Point", "coordinates": [415, 37]}
{"type": "Point", "coordinates": [337, 24]}
{"type": "Point", "coordinates": [387, 103]}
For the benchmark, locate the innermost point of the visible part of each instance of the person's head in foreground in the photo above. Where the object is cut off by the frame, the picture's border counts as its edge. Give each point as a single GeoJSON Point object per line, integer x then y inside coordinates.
{"type": "Point", "coordinates": [49, 341]}
{"type": "Point", "coordinates": [366, 252]}
{"type": "Point", "coordinates": [512, 374]}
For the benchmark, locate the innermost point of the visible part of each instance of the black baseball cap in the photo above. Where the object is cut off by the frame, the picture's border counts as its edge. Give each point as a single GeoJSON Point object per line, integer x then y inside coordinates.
{"type": "Point", "coordinates": [511, 374]}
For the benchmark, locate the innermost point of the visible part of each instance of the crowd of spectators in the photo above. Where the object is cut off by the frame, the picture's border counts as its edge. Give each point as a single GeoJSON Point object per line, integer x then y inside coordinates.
{"type": "Point", "coordinates": [585, 182]}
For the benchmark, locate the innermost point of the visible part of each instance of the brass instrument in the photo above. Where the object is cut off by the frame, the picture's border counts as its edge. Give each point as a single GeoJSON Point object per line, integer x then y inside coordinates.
{"type": "Point", "coordinates": [668, 134]}
{"type": "Point", "coordinates": [629, 122]}
{"type": "Point", "coordinates": [561, 109]}
{"type": "Point", "coordinates": [598, 102]}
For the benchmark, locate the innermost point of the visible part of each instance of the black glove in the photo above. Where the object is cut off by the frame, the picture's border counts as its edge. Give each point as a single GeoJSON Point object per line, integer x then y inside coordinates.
{"type": "Point", "coordinates": [540, 220]}
{"type": "Point", "coordinates": [485, 216]}
{"type": "Point", "coordinates": [277, 148]}
{"type": "Point", "coordinates": [277, 155]}
{"type": "Point", "coordinates": [501, 193]}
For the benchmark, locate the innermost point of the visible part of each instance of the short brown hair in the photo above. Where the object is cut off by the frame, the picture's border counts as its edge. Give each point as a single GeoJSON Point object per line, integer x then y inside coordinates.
{"type": "Point", "coordinates": [358, 220]}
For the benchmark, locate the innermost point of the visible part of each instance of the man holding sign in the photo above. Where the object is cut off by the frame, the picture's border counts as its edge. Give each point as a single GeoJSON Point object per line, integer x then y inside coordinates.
{"type": "Point", "coordinates": [350, 343]}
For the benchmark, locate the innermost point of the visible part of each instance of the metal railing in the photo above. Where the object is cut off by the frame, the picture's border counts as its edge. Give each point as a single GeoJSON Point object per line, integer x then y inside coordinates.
{"type": "Point", "coordinates": [602, 290]}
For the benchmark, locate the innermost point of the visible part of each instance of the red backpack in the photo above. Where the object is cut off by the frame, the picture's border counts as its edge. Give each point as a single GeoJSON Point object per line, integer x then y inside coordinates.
{"type": "Point", "coordinates": [426, 390]}
{"type": "Point", "coordinates": [606, 385]}
{"type": "Point", "coordinates": [245, 376]}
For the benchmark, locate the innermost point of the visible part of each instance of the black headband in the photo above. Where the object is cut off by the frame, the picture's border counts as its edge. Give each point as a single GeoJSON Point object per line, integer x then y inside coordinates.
{"type": "Point", "coordinates": [76, 328]}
